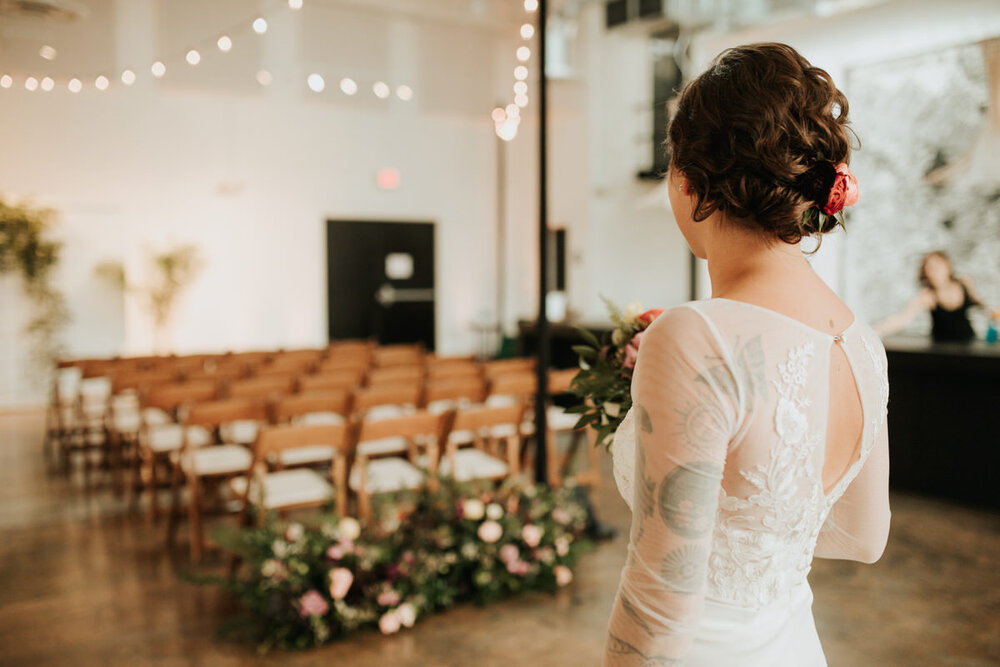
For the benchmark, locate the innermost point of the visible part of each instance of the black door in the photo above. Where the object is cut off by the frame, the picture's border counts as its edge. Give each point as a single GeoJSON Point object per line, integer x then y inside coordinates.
{"type": "Point", "coordinates": [380, 281]}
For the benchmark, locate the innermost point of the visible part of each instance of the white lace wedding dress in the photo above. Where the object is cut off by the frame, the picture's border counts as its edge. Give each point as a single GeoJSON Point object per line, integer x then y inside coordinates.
{"type": "Point", "coordinates": [721, 460]}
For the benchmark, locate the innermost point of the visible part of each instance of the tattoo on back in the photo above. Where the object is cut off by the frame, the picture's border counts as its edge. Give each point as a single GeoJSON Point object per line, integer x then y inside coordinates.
{"type": "Point", "coordinates": [688, 497]}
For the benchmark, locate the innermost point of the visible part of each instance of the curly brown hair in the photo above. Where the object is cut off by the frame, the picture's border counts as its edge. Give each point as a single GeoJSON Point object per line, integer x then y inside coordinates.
{"type": "Point", "coordinates": [757, 136]}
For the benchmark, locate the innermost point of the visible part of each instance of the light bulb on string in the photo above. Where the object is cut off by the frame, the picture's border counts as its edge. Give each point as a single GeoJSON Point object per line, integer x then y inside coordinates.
{"type": "Point", "coordinates": [530, 5]}
{"type": "Point", "coordinates": [264, 77]}
{"type": "Point", "coordinates": [520, 88]}
{"type": "Point", "coordinates": [31, 84]}
{"type": "Point", "coordinates": [225, 43]}
{"type": "Point", "coordinates": [48, 84]}
{"type": "Point", "coordinates": [158, 69]}
{"type": "Point", "coordinates": [498, 115]}
{"type": "Point", "coordinates": [381, 90]}
{"type": "Point", "coordinates": [512, 111]}
{"type": "Point", "coordinates": [315, 83]}
{"type": "Point", "coordinates": [348, 86]}
{"type": "Point", "coordinates": [193, 57]}
{"type": "Point", "coordinates": [527, 31]}
{"type": "Point", "coordinates": [404, 93]}
{"type": "Point", "coordinates": [295, 4]}
{"type": "Point", "coordinates": [506, 130]}
{"type": "Point", "coordinates": [521, 100]}
{"type": "Point", "coordinates": [6, 81]}
{"type": "Point", "coordinates": [75, 85]}
{"type": "Point", "coordinates": [102, 82]}
{"type": "Point", "coordinates": [260, 25]}
{"type": "Point", "coordinates": [523, 53]}
{"type": "Point", "coordinates": [128, 77]}
{"type": "Point", "coordinates": [520, 72]}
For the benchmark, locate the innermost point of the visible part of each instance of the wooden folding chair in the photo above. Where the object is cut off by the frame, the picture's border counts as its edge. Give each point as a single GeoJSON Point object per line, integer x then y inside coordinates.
{"type": "Point", "coordinates": [347, 380]}
{"type": "Point", "coordinates": [558, 422]}
{"type": "Point", "coordinates": [376, 471]}
{"type": "Point", "coordinates": [443, 394]}
{"type": "Point", "coordinates": [265, 388]}
{"type": "Point", "coordinates": [207, 467]}
{"type": "Point", "coordinates": [372, 403]}
{"type": "Point", "coordinates": [312, 409]}
{"type": "Point", "coordinates": [400, 374]}
{"type": "Point", "coordinates": [496, 443]}
{"type": "Point", "coordinates": [454, 370]}
{"type": "Point", "coordinates": [272, 487]}
{"type": "Point", "coordinates": [356, 364]}
{"type": "Point", "coordinates": [497, 367]}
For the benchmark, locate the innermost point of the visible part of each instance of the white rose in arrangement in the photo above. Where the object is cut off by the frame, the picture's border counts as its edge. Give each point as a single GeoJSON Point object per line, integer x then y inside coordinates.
{"type": "Point", "coordinates": [562, 546]}
{"type": "Point", "coordinates": [490, 531]}
{"type": "Point", "coordinates": [584, 365]}
{"type": "Point", "coordinates": [473, 509]}
{"type": "Point", "coordinates": [349, 528]}
{"type": "Point", "coordinates": [389, 623]}
{"type": "Point", "coordinates": [280, 548]}
{"type": "Point", "coordinates": [407, 614]}
{"type": "Point", "coordinates": [613, 409]}
{"type": "Point", "coordinates": [295, 532]}
{"type": "Point", "coordinates": [532, 535]}
{"type": "Point", "coordinates": [494, 512]}
{"type": "Point", "coordinates": [632, 311]}
{"type": "Point", "coordinates": [564, 575]}
{"type": "Point", "coordinates": [618, 337]}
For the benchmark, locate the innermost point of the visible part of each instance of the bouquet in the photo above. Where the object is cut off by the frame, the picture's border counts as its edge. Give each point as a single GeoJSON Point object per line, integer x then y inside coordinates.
{"type": "Point", "coordinates": [604, 383]}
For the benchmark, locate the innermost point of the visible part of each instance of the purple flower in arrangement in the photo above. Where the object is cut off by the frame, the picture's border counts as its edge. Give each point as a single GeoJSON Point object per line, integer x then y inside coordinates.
{"type": "Point", "coordinates": [312, 604]}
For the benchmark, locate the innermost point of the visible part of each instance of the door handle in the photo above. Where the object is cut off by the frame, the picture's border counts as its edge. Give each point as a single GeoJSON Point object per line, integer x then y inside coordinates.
{"type": "Point", "coordinates": [388, 295]}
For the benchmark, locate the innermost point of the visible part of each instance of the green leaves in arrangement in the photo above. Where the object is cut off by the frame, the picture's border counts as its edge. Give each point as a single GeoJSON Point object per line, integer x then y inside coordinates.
{"type": "Point", "coordinates": [303, 584]}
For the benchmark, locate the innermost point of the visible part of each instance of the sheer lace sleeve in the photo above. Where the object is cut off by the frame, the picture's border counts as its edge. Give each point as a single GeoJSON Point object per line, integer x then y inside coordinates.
{"type": "Point", "coordinates": [858, 524]}
{"type": "Point", "coordinates": [686, 400]}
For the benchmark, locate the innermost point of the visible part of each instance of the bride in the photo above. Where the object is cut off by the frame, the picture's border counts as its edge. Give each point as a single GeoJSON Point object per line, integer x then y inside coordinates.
{"type": "Point", "coordinates": [758, 430]}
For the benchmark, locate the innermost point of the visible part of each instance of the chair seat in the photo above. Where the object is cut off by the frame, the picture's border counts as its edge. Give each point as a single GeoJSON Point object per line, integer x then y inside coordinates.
{"type": "Point", "coordinates": [286, 488]}
{"type": "Point", "coordinates": [170, 437]}
{"type": "Point", "coordinates": [241, 431]}
{"type": "Point", "coordinates": [472, 463]}
{"type": "Point", "coordinates": [559, 420]}
{"type": "Point", "coordinates": [318, 419]}
{"type": "Point", "coordinates": [126, 421]}
{"type": "Point", "coordinates": [383, 412]}
{"type": "Point", "coordinates": [462, 436]}
{"type": "Point", "coordinates": [155, 416]}
{"type": "Point", "coordinates": [388, 474]}
{"type": "Point", "coordinates": [306, 455]}
{"type": "Point", "coordinates": [383, 446]}
{"type": "Point", "coordinates": [218, 460]}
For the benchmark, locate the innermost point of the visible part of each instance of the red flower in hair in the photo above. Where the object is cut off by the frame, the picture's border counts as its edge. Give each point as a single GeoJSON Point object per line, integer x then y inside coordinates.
{"type": "Point", "coordinates": [650, 315]}
{"type": "Point", "coordinates": [845, 191]}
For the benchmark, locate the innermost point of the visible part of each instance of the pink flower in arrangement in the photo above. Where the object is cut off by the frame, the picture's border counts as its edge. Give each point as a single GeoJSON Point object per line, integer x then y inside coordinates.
{"type": "Point", "coordinates": [312, 604]}
{"type": "Point", "coordinates": [531, 534]}
{"type": "Point", "coordinates": [518, 567]}
{"type": "Point", "coordinates": [559, 515]}
{"type": "Point", "coordinates": [388, 598]}
{"type": "Point", "coordinates": [340, 582]}
{"type": "Point", "coordinates": [650, 315]}
{"type": "Point", "coordinates": [509, 553]}
{"type": "Point", "coordinates": [562, 546]}
{"type": "Point", "coordinates": [490, 531]}
{"type": "Point", "coordinates": [564, 575]}
{"type": "Point", "coordinates": [631, 353]}
{"type": "Point", "coordinates": [389, 623]}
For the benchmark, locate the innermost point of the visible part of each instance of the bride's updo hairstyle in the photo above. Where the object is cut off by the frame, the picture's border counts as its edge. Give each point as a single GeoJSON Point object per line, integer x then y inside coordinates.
{"type": "Point", "coordinates": [757, 136]}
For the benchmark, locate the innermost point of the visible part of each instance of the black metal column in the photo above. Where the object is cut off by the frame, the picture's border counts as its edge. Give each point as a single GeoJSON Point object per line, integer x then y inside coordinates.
{"type": "Point", "coordinates": [541, 397]}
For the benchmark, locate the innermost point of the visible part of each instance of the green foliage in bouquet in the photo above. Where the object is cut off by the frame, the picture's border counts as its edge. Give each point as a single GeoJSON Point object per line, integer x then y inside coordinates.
{"type": "Point", "coordinates": [604, 383]}
{"type": "Point", "coordinates": [303, 584]}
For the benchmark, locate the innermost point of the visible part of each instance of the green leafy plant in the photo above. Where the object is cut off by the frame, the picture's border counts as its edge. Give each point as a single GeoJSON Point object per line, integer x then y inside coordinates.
{"type": "Point", "coordinates": [604, 383]}
{"type": "Point", "coordinates": [25, 248]}
{"type": "Point", "coordinates": [303, 584]}
{"type": "Point", "coordinates": [173, 271]}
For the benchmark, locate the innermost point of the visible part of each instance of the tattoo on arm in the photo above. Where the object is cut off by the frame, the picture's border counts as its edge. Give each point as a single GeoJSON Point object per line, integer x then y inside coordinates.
{"type": "Point", "coordinates": [634, 614]}
{"type": "Point", "coordinates": [684, 568]}
{"type": "Point", "coordinates": [618, 646]}
{"type": "Point", "coordinates": [688, 497]}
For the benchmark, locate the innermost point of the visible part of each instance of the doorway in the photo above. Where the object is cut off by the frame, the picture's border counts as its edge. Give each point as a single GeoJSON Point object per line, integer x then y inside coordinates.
{"type": "Point", "coordinates": [380, 281]}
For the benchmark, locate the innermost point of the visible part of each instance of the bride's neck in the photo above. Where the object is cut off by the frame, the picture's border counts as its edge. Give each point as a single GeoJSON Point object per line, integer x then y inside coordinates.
{"type": "Point", "coordinates": [739, 262]}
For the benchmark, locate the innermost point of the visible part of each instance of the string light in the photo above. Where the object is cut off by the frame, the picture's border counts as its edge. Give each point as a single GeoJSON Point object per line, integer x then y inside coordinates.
{"type": "Point", "coordinates": [523, 53]}
{"type": "Point", "coordinates": [520, 72]}
{"type": "Point", "coordinates": [264, 77]}
{"type": "Point", "coordinates": [193, 57]}
{"type": "Point", "coordinates": [530, 5]}
{"type": "Point", "coordinates": [75, 85]}
{"type": "Point", "coordinates": [404, 93]}
{"type": "Point", "coordinates": [31, 84]}
{"type": "Point", "coordinates": [48, 52]}
{"type": "Point", "coordinates": [295, 4]}
{"type": "Point", "coordinates": [48, 84]}
{"type": "Point", "coordinates": [527, 31]}
{"type": "Point", "coordinates": [260, 25]}
{"type": "Point", "coordinates": [381, 90]}
{"type": "Point", "coordinates": [225, 43]}
{"type": "Point", "coordinates": [101, 82]}
{"type": "Point", "coordinates": [6, 81]}
{"type": "Point", "coordinates": [512, 111]}
{"type": "Point", "coordinates": [521, 100]}
{"type": "Point", "coordinates": [158, 69]}
{"type": "Point", "coordinates": [348, 86]}
{"type": "Point", "coordinates": [128, 77]}
{"type": "Point", "coordinates": [498, 115]}
{"type": "Point", "coordinates": [316, 83]}
{"type": "Point", "coordinates": [520, 88]}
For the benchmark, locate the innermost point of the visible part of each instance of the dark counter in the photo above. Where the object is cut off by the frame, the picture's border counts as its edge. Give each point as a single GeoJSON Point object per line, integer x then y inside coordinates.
{"type": "Point", "coordinates": [944, 419]}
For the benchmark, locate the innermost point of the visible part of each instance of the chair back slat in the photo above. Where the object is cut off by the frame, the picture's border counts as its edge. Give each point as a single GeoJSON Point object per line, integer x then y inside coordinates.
{"type": "Point", "coordinates": [506, 366]}
{"type": "Point", "coordinates": [262, 387]}
{"type": "Point", "coordinates": [316, 401]}
{"type": "Point", "coordinates": [560, 380]}
{"type": "Point", "coordinates": [171, 396]}
{"type": "Point", "coordinates": [273, 440]}
{"type": "Point", "coordinates": [213, 413]}
{"type": "Point", "coordinates": [365, 399]}
{"type": "Point", "coordinates": [477, 418]}
{"type": "Point", "coordinates": [416, 425]}
{"type": "Point", "coordinates": [522, 383]}
{"type": "Point", "coordinates": [471, 389]}
{"type": "Point", "coordinates": [395, 374]}
{"type": "Point", "coordinates": [343, 381]}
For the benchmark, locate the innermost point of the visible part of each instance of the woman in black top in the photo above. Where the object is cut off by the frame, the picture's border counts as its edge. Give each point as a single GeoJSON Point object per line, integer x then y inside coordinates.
{"type": "Point", "coordinates": [947, 297]}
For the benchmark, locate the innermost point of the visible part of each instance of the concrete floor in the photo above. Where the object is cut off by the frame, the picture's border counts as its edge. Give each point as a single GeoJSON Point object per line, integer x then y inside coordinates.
{"type": "Point", "coordinates": [83, 582]}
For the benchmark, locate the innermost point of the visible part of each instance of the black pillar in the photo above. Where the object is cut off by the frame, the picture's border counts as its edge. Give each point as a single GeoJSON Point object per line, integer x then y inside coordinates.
{"type": "Point", "coordinates": [541, 397]}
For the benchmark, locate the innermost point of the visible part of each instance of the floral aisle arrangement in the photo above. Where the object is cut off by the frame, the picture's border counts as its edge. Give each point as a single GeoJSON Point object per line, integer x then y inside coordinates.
{"type": "Point", "coordinates": [304, 584]}
{"type": "Point", "coordinates": [604, 383]}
